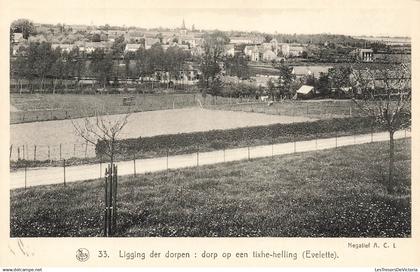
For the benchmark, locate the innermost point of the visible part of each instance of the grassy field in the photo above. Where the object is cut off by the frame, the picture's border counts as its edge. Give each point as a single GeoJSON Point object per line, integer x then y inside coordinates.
{"type": "Point", "coordinates": [42, 107]}
{"type": "Point", "coordinates": [334, 193]}
{"type": "Point", "coordinates": [320, 109]}
{"type": "Point", "coordinates": [185, 143]}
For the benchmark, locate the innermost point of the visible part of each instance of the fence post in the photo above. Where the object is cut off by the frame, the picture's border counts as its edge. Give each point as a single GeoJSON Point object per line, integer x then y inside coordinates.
{"type": "Point", "coordinates": [336, 140]}
{"type": "Point", "coordinates": [134, 163]}
{"type": "Point", "coordinates": [34, 152]}
{"type": "Point", "coordinates": [198, 155]}
{"type": "Point", "coordinates": [10, 152]}
{"type": "Point", "coordinates": [23, 151]}
{"type": "Point", "coordinates": [64, 167]}
{"type": "Point", "coordinates": [18, 153]}
{"type": "Point", "coordinates": [114, 199]}
{"type": "Point", "coordinates": [86, 149]}
{"type": "Point", "coordinates": [294, 146]}
{"type": "Point", "coordinates": [100, 167]}
{"type": "Point", "coordinates": [167, 159]}
{"type": "Point", "coordinates": [25, 176]}
{"type": "Point", "coordinates": [249, 156]}
{"type": "Point", "coordinates": [60, 152]}
{"type": "Point", "coordinates": [106, 204]}
{"type": "Point", "coordinates": [371, 134]}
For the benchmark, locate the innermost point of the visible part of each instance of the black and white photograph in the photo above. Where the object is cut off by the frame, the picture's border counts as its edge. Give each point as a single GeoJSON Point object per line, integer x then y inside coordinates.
{"type": "Point", "coordinates": [235, 121]}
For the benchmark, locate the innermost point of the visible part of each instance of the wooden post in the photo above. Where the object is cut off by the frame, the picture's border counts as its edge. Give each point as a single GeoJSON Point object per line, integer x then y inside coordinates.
{"type": "Point", "coordinates": [371, 134]}
{"type": "Point", "coordinates": [110, 213]}
{"type": "Point", "coordinates": [23, 151]}
{"type": "Point", "coordinates": [34, 152]}
{"type": "Point", "coordinates": [134, 163]}
{"type": "Point", "coordinates": [167, 159]}
{"type": "Point", "coordinates": [25, 176]}
{"type": "Point", "coordinates": [86, 145]}
{"type": "Point", "coordinates": [106, 204]}
{"type": "Point", "coordinates": [114, 198]}
{"type": "Point", "coordinates": [64, 168]}
{"type": "Point", "coordinates": [294, 146]}
{"type": "Point", "coordinates": [18, 153]}
{"type": "Point", "coordinates": [272, 149]}
{"type": "Point", "coordinates": [336, 140]}
{"type": "Point", "coordinates": [10, 152]}
{"type": "Point", "coordinates": [60, 152]}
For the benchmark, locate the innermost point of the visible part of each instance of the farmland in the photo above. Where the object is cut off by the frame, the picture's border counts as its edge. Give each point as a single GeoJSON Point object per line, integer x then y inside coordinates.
{"type": "Point", "coordinates": [272, 197]}
{"type": "Point", "coordinates": [42, 107]}
{"type": "Point", "coordinates": [141, 124]}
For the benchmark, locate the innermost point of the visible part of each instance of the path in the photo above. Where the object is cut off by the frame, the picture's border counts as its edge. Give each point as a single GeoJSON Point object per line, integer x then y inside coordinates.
{"type": "Point", "coordinates": [54, 175]}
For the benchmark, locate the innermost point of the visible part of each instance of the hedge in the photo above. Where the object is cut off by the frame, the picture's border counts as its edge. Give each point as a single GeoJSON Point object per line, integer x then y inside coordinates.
{"type": "Point", "coordinates": [219, 139]}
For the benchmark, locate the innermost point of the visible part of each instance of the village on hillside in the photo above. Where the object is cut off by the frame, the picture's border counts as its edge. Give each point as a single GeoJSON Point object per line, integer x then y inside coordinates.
{"type": "Point", "coordinates": [115, 59]}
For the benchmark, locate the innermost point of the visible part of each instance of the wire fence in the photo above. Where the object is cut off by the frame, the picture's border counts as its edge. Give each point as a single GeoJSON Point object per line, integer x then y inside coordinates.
{"type": "Point", "coordinates": [54, 175]}
{"type": "Point", "coordinates": [51, 152]}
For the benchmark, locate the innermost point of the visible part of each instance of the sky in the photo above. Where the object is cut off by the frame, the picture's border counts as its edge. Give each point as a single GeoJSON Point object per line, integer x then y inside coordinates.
{"type": "Point", "coordinates": [357, 17]}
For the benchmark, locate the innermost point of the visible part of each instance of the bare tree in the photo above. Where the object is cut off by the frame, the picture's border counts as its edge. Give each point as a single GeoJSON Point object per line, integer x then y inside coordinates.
{"type": "Point", "coordinates": [385, 95]}
{"type": "Point", "coordinates": [103, 130]}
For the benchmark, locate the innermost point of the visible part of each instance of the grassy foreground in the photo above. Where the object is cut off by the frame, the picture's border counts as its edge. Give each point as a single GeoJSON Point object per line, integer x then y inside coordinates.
{"type": "Point", "coordinates": [333, 193]}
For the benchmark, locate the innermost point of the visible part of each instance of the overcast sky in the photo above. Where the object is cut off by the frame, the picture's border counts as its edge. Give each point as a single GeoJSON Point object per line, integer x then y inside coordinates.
{"type": "Point", "coordinates": [376, 17]}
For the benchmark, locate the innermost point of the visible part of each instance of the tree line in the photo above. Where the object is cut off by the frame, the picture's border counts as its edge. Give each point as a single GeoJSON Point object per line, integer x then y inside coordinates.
{"type": "Point", "coordinates": [39, 66]}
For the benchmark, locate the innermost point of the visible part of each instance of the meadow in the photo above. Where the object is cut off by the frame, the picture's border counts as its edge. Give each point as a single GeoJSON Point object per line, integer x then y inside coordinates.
{"type": "Point", "coordinates": [332, 193]}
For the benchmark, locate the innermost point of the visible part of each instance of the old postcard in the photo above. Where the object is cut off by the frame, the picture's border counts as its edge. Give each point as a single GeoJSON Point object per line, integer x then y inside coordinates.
{"type": "Point", "coordinates": [225, 133]}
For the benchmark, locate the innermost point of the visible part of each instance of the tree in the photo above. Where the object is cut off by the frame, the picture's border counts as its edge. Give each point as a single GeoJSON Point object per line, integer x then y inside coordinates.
{"type": "Point", "coordinates": [272, 89]}
{"type": "Point", "coordinates": [237, 66]}
{"type": "Point", "coordinates": [286, 78]}
{"type": "Point", "coordinates": [101, 66]}
{"type": "Point", "coordinates": [24, 26]}
{"type": "Point", "coordinates": [340, 76]}
{"type": "Point", "coordinates": [211, 60]}
{"type": "Point", "coordinates": [96, 37]}
{"type": "Point", "coordinates": [322, 84]}
{"type": "Point", "coordinates": [118, 47]}
{"type": "Point", "coordinates": [102, 131]}
{"type": "Point", "coordinates": [385, 94]}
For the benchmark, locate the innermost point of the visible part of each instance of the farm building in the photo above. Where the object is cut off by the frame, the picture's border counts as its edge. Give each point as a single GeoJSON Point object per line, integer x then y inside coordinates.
{"type": "Point", "coordinates": [305, 92]}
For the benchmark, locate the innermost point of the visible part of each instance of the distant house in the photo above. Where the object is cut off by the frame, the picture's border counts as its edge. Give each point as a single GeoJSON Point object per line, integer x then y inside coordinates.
{"type": "Point", "coordinates": [305, 92]}
{"type": "Point", "coordinates": [315, 71]}
{"type": "Point", "coordinates": [89, 47]}
{"type": "Point", "coordinates": [132, 47]}
{"type": "Point", "coordinates": [269, 55]}
{"type": "Point", "coordinates": [148, 42]}
{"type": "Point", "coordinates": [252, 52]}
{"type": "Point", "coordinates": [295, 51]}
{"type": "Point", "coordinates": [240, 40]}
{"type": "Point", "coordinates": [197, 51]}
{"type": "Point", "coordinates": [17, 37]}
{"type": "Point", "coordinates": [229, 50]}
{"type": "Point", "coordinates": [365, 55]}
{"type": "Point", "coordinates": [64, 47]}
